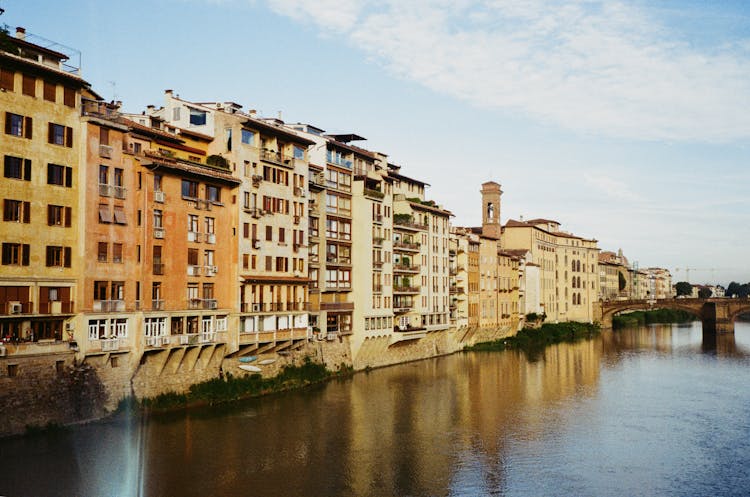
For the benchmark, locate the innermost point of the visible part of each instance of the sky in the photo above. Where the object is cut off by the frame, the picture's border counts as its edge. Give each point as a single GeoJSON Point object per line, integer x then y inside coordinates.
{"type": "Point", "coordinates": [625, 121]}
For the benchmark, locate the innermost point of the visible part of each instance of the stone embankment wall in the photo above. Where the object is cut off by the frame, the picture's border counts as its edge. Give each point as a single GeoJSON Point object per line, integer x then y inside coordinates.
{"type": "Point", "coordinates": [47, 389]}
{"type": "Point", "coordinates": [54, 388]}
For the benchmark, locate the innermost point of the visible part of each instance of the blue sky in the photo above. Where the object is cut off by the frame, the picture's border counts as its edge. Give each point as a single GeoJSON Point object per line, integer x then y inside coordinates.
{"type": "Point", "coordinates": [626, 122]}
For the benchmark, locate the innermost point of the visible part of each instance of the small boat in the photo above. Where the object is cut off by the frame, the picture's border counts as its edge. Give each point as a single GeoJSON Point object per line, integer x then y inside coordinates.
{"type": "Point", "coordinates": [249, 358]}
{"type": "Point", "coordinates": [266, 362]}
{"type": "Point", "coordinates": [249, 368]}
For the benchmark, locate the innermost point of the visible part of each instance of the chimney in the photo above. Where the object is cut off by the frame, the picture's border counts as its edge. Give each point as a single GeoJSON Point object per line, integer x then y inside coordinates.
{"type": "Point", "coordinates": [20, 33]}
{"type": "Point", "coordinates": [168, 92]}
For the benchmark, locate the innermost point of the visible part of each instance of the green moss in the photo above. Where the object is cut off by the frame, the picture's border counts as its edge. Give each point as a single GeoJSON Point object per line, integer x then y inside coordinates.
{"type": "Point", "coordinates": [232, 388]}
{"type": "Point", "coordinates": [533, 341]}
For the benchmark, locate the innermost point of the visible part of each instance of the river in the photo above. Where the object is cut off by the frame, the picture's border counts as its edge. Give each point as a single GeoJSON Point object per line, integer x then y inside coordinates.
{"type": "Point", "coordinates": [649, 411]}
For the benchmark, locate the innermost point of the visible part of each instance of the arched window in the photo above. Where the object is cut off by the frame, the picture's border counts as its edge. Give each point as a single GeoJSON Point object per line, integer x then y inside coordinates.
{"type": "Point", "coordinates": [490, 211]}
{"type": "Point", "coordinates": [573, 266]}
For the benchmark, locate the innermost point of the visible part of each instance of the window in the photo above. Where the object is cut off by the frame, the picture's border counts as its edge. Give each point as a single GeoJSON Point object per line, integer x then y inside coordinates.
{"type": "Point", "coordinates": [16, 211]}
{"type": "Point", "coordinates": [269, 233]}
{"type": "Point", "coordinates": [50, 91]}
{"type": "Point", "coordinates": [209, 222]}
{"type": "Point", "coordinates": [117, 252]}
{"type": "Point", "coordinates": [157, 182]}
{"type": "Point", "coordinates": [17, 168]}
{"type": "Point", "coordinates": [193, 223]}
{"type": "Point", "coordinates": [269, 263]}
{"type": "Point", "coordinates": [208, 291]}
{"type": "Point", "coordinates": [58, 256]}
{"type": "Point", "coordinates": [15, 254]}
{"type": "Point", "coordinates": [208, 258]}
{"type": "Point", "coordinates": [248, 137]}
{"type": "Point", "coordinates": [299, 152]}
{"type": "Point", "coordinates": [105, 215]}
{"type": "Point", "coordinates": [192, 258]}
{"type": "Point", "coordinates": [28, 86]}
{"type": "Point", "coordinates": [158, 218]}
{"type": "Point", "coordinates": [118, 177]}
{"type": "Point", "coordinates": [213, 193]}
{"type": "Point", "coordinates": [118, 290]}
{"type": "Point", "coordinates": [197, 117]}
{"type": "Point", "coordinates": [55, 215]}
{"type": "Point", "coordinates": [103, 175]}
{"type": "Point", "coordinates": [18, 125]}
{"type": "Point", "coordinates": [189, 189]}
{"type": "Point", "coordinates": [6, 80]}
{"type": "Point", "coordinates": [102, 252]}
{"type": "Point", "coordinates": [59, 175]}
{"type": "Point", "coordinates": [100, 290]}
{"type": "Point", "coordinates": [57, 134]}
{"type": "Point", "coordinates": [282, 235]}
{"type": "Point", "coordinates": [69, 97]}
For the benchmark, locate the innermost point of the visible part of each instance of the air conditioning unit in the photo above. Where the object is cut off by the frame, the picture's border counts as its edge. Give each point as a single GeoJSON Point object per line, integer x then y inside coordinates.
{"type": "Point", "coordinates": [70, 326]}
{"type": "Point", "coordinates": [158, 232]}
{"type": "Point", "coordinates": [320, 178]}
{"type": "Point", "coordinates": [212, 304]}
{"type": "Point", "coordinates": [3, 351]}
{"type": "Point", "coordinates": [210, 238]}
{"type": "Point", "coordinates": [300, 192]}
{"type": "Point", "coordinates": [15, 307]}
{"type": "Point", "coordinates": [256, 244]}
{"type": "Point", "coordinates": [256, 307]}
{"type": "Point", "coordinates": [159, 196]}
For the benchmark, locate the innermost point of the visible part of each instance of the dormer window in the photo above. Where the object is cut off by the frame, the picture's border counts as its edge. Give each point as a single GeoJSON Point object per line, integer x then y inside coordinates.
{"type": "Point", "coordinates": [197, 117]}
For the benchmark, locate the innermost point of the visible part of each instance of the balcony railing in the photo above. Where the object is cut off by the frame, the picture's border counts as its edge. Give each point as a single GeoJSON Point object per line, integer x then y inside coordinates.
{"type": "Point", "coordinates": [405, 268]}
{"type": "Point", "coordinates": [105, 190]}
{"type": "Point", "coordinates": [158, 268]}
{"type": "Point", "coordinates": [157, 305]}
{"type": "Point", "coordinates": [376, 194]}
{"type": "Point", "coordinates": [109, 306]}
{"type": "Point", "coordinates": [409, 224]}
{"type": "Point", "coordinates": [105, 151]}
{"type": "Point", "coordinates": [378, 241]}
{"type": "Point", "coordinates": [276, 157]}
{"type": "Point", "coordinates": [56, 307]}
{"type": "Point", "coordinates": [193, 270]}
{"type": "Point", "coordinates": [194, 236]}
{"type": "Point", "coordinates": [405, 289]}
{"type": "Point", "coordinates": [120, 192]}
{"type": "Point", "coordinates": [406, 246]}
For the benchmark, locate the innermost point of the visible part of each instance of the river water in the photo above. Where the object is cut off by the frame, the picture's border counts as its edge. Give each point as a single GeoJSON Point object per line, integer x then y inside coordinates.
{"type": "Point", "coordinates": [655, 410]}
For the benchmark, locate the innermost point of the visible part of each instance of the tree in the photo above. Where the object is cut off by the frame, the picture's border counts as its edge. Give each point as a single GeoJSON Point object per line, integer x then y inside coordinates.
{"type": "Point", "coordinates": [704, 293]}
{"type": "Point", "coordinates": [733, 289]}
{"type": "Point", "coordinates": [683, 288]}
{"type": "Point", "coordinates": [621, 280]}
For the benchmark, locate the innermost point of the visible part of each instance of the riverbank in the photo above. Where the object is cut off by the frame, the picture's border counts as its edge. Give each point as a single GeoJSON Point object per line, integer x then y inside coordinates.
{"type": "Point", "coordinates": [534, 340]}
{"type": "Point", "coordinates": [641, 318]}
{"type": "Point", "coordinates": [232, 388]}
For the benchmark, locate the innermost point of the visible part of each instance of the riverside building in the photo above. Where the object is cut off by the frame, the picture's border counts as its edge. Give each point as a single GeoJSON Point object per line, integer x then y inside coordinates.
{"type": "Point", "coordinates": [40, 98]}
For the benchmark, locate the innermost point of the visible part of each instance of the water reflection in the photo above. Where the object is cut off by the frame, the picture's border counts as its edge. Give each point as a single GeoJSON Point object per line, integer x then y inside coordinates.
{"type": "Point", "coordinates": [591, 418]}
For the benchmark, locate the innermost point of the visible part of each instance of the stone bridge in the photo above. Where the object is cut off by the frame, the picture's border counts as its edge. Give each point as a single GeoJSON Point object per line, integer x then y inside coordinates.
{"type": "Point", "coordinates": [717, 314]}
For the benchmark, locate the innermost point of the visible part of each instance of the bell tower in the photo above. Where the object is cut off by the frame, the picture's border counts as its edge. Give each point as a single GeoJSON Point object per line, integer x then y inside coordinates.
{"type": "Point", "coordinates": [491, 226]}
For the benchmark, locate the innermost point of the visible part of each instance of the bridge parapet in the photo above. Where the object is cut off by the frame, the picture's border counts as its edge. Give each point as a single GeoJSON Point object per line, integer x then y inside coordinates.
{"type": "Point", "coordinates": [717, 314]}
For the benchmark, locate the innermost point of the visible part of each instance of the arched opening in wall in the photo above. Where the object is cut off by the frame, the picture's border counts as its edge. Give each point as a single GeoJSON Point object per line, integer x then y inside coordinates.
{"type": "Point", "coordinates": [645, 316]}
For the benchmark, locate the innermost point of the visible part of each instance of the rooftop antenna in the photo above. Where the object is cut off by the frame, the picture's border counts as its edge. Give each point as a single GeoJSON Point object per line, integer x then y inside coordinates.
{"type": "Point", "coordinates": [113, 84]}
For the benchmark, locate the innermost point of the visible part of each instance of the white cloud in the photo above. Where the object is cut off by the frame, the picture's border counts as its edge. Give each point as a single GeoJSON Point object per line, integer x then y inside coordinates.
{"type": "Point", "coordinates": [597, 67]}
{"type": "Point", "coordinates": [610, 187]}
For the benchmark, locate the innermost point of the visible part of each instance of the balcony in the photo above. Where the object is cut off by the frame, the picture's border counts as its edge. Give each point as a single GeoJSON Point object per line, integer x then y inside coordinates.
{"type": "Point", "coordinates": [377, 218]}
{"type": "Point", "coordinates": [110, 344]}
{"type": "Point", "coordinates": [55, 307]}
{"type": "Point", "coordinates": [211, 238]}
{"type": "Point", "coordinates": [210, 270]}
{"type": "Point", "coordinates": [338, 261]}
{"type": "Point", "coordinates": [105, 151]}
{"type": "Point", "coordinates": [120, 192]}
{"type": "Point", "coordinates": [158, 268]}
{"type": "Point", "coordinates": [15, 307]}
{"type": "Point", "coordinates": [337, 306]}
{"type": "Point", "coordinates": [405, 289]}
{"type": "Point", "coordinates": [408, 333]}
{"type": "Point", "coordinates": [157, 305]}
{"type": "Point", "coordinates": [194, 270]}
{"type": "Point", "coordinates": [197, 303]}
{"type": "Point", "coordinates": [374, 194]}
{"type": "Point", "coordinates": [276, 158]}
{"type": "Point", "coordinates": [377, 288]}
{"type": "Point", "coordinates": [255, 212]}
{"type": "Point", "coordinates": [408, 224]}
{"type": "Point", "coordinates": [405, 268]}
{"type": "Point", "coordinates": [406, 246]}
{"type": "Point", "coordinates": [377, 241]}
{"type": "Point", "coordinates": [109, 306]}
{"type": "Point", "coordinates": [194, 236]}
{"type": "Point", "coordinates": [105, 190]}
{"type": "Point", "coordinates": [377, 265]}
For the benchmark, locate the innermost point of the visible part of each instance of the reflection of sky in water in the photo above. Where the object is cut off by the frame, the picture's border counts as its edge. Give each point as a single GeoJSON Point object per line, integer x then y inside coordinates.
{"type": "Point", "coordinates": [653, 411]}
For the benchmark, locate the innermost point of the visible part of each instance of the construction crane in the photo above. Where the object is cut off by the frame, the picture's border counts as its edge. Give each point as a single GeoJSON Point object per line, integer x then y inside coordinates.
{"type": "Point", "coordinates": [688, 269]}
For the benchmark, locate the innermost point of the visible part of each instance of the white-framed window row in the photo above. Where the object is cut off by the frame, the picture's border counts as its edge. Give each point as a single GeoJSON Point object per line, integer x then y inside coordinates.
{"type": "Point", "coordinates": [108, 332]}
{"type": "Point", "coordinates": [155, 331]}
